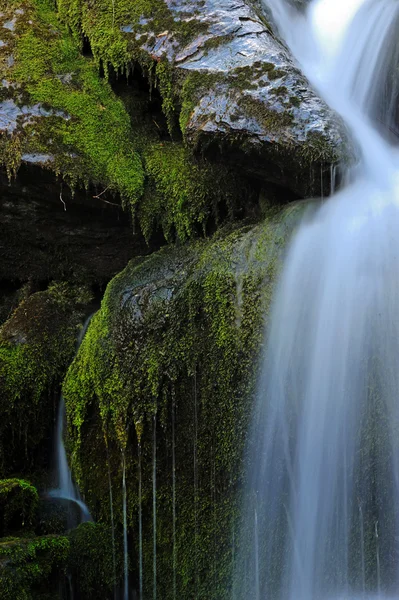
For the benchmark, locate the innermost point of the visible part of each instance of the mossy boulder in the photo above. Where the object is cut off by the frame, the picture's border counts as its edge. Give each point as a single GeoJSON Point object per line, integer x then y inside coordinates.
{"type": "Point", "coordinates": [163, 383]}
{"type": "Point", "coordinates": [36, 345]}
{"type": "Point", "coordinates": [18, 504]}
{"type": "Point", "coordinates": [225, 77]}
{"type": "Point", "coordinates": [95, 562]}
{"type": "Point", "coordinates": [32, 568]}
{"type": "Point", "coordinates": [56, 110]}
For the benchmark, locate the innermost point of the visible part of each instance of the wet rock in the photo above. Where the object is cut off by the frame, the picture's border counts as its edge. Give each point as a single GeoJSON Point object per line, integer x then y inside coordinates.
{"type": "Point", "coordinates": [243, 98]}
{"type": "Point", "coordinates": [48, 233]}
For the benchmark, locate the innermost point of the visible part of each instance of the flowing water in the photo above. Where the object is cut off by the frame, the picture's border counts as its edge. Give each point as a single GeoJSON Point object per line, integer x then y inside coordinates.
{"type": "Point", "coordinates": [66, 488]}
{"type": "Point", "coordinates": [111, 508]}
{"type": "Point", "coordinates": [154, 509]}
{"type": "Point", "coordinates": [140, 524]}
{"type": "Point", "coordinates": [174, 500]}
{"type": "Point", "coordinates": [320, 517]}
{"type": "Point", "coordinates": [125, 544]}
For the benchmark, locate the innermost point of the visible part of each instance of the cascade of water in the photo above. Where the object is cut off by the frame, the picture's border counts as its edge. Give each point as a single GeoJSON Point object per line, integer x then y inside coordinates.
{"type": "Point", "coordinates": [66, 488]}
{"type": "Point", "coordinates": [325, 424]}
{"type": "Point", "coordinates": [154, 508]}
{"type": "Point", "coordinates": [140, 525]}
{"type": "Point", "coordinates": [125, 545]}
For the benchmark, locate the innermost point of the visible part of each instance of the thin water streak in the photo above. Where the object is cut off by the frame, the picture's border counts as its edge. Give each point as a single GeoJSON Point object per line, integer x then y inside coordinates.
{"type": "Point", "coordinates": [125, 542]}
{"type": "Point", "coordinates": [66, 488]}
{"type": "Point", "coordinates": [174, 500]}
{"type": "Point", "coordinates": [111, 505]}
{"type": "Point", "coordinates": [154, 507]}
{"type": "Point", "coordinates": [140, 523]}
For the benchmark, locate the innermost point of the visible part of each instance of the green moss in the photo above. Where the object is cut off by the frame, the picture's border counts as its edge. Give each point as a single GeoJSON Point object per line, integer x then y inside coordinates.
{"type": "Point", "coordinates": [87, 129]}
{"type": "Point", "coordinates": [117, 28]}
{"type": "Point", "coordinates": [193, 86]}
{"type": "Point", "coordinates": [294, 101]}
{"type": "Point", "coordinates": [183, 193]}
{"type": "Point", "coordinates": [242, 78]}
{"type": "Point", "coordinates": [36, 345]}
{"type": "Point", "coordinates": [31, 567]}
{"type": "Point", "coordinates": [91, 562]}
{"type": "Point", "coordinates": [177, 335]}
{"type": "Point", "coordinates": [271, 120]}
{"type": "Point", "coordinates": [18, 504]}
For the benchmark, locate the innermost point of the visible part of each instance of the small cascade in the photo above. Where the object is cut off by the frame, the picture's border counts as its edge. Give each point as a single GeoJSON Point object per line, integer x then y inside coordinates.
{"type": "Point", "coordinates": [154, 507]}
{"type": "Point", "coordinates": [111, 505]}
{"type": "Point", "coordinates": [66, 488]}
{"type": "Point", "coordinates": [174, 501]}
{"type": "Point", "coordinates": [140, 523]}
{"type": "Point", "coordinates": [325, 422]}
{"type": "Point", "coordinates": [125, 545]}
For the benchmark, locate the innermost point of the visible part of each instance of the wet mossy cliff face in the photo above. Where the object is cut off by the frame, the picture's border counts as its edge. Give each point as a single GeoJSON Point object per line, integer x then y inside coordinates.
{"type": "Point", "coordinates": [148, 152]}
{"type": "Point", "coordinates": [163, 383]}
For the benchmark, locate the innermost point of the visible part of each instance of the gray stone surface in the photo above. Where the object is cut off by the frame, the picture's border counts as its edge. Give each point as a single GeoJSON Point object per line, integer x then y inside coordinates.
{"type": "Point", "coordinates": [254, 106]}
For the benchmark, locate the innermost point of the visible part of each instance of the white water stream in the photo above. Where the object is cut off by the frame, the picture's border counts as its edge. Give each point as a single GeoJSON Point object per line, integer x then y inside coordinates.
{"type": "Point", "coordinates": [66, 488]}
{"type": "Point", "coordinates": [321, 517]}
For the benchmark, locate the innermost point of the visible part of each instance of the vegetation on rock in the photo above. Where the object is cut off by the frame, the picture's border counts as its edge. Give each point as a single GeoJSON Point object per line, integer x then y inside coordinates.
{"type": "Point", "coordinates": [68, 114]}
{"type": "Point", "coordinates": [173, 349]}
{"type": "Point", "coordinates": [36, 345]}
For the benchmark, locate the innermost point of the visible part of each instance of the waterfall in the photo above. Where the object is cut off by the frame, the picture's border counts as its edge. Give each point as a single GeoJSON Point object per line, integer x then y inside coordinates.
{"type": "Point", "coordinates": [324, 438]}
{"type": "Point", "coordinates": [66, 488]}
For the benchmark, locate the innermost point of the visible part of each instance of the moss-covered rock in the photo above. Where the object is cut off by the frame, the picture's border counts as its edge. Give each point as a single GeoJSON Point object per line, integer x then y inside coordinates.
{"type": "Point", "coordinates": [183, 194]}
{"type": "Point", "coordinates": [36, 345]}
{"type": "Point", "coordinates": [57, 111]}
{"type": "Point", "coordinates": [167, 369]}
{"type": "Point", "coordinates": [225, 77]}
{"type": "Point", "coordinates": [95, 562]}
{"type": "Point", "coordinates": [18, 504]}
{"type": "Point", "coordinates": [32, 568]}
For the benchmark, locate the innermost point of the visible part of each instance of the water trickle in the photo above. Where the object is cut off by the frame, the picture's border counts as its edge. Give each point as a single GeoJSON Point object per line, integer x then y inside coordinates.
{"type": "Point", "coordinates": [325, 424]}
{"type": "Point", "coordinates": [66, 488]}
{"type": "Point", "coordinates": [195, 448]}
{"type": "Point", "coordinates": [154, 508]}
{"type": "Point", "coordinates": [125, 544]}
{"type": "Point", "coordinates": [174, 501]}
{"type": "Point", "coordinates": [111, 507]}
{"type": "Point", "coordinates": [140, 523]}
